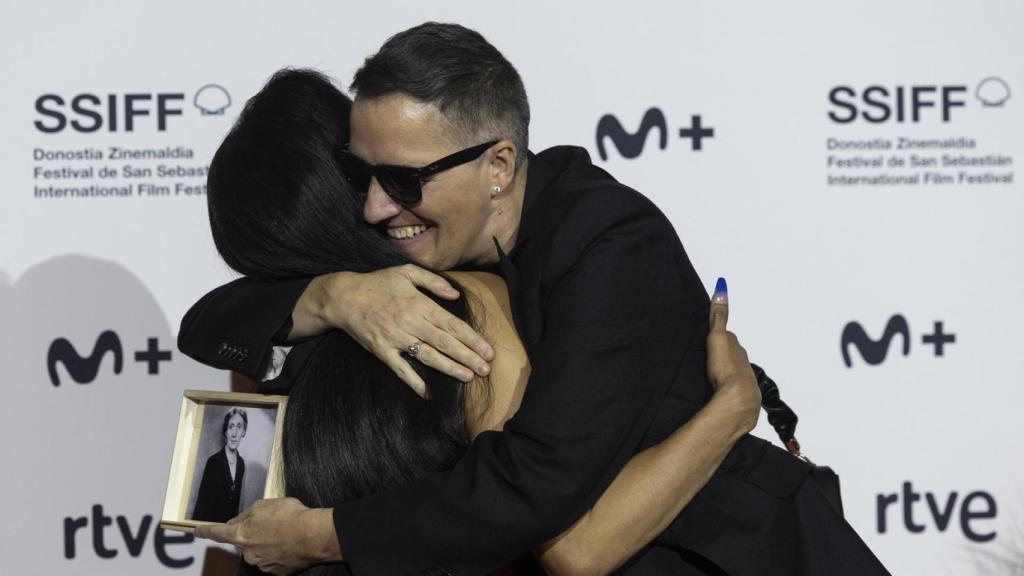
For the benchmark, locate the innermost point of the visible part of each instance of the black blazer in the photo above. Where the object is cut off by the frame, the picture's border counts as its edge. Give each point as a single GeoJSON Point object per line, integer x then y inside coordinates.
{"type": "Point", "coordinates": [219, 496]}
{"type": "Point", "coordinates": [614, 319]}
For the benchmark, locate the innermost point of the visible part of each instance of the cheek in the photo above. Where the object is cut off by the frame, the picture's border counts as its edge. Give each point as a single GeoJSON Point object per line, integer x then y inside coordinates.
{"type": "Point", "coordinates": [465, 223]}
{"type": "Point", "coordinates": [461, 216]}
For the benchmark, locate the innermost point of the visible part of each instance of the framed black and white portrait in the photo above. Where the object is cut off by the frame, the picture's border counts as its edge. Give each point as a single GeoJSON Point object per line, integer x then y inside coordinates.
{"type": "Point", "coordinates": [227, 455]}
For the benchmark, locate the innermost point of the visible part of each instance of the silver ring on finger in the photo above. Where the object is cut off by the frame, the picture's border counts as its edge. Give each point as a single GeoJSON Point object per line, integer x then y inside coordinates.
{"type": "Point", "coordinates": [414, 349]}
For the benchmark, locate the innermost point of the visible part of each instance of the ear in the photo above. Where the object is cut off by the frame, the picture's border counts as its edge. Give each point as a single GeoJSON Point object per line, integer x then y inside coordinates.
{"type": "Point", "coordinates": [502, 164]}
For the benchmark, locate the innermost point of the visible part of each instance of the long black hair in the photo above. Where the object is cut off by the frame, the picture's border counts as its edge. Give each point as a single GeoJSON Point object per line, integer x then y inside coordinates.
{"type": "Point", "coordinates": [280, 208]}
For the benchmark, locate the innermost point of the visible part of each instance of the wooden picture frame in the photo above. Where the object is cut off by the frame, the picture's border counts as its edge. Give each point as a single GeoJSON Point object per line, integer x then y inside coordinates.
{"type": "Point", "coordinates": [199, 430]}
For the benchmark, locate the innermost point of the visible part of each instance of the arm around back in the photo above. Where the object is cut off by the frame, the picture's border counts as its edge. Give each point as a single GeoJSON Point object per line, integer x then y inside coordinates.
{"type": "Point", "coordinates": [234, 326]}
{"type": "Point", "coordinates": [618, 327]}
{"type": "Point", "coordinates": [657, 483]}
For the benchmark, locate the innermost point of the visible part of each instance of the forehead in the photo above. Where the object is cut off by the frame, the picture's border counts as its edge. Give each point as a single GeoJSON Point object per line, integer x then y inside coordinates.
{"type": "Point", "coordinates": [398, 129]}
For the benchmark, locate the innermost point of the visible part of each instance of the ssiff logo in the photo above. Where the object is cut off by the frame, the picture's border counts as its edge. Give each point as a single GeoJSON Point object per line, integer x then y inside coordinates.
{"type": "Point", "coordinates": [992, 92]}
{"type": "Point", "coordinates": [877, 104]}
{"type": "Point", "coordinates": [89, 112]}
{"type": "Point", "coordinates": [212, 99]}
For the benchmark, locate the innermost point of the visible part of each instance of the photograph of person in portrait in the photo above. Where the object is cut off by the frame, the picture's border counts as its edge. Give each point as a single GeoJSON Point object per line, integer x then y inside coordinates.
{"type": "Point", "coordinates": [231, 461]}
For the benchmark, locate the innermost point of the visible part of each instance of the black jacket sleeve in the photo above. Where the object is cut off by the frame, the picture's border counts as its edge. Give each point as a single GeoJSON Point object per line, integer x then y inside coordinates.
{"type": "Point", "coordinates": [618, 328]}
{"type": "Point", "coordinates": [234, 326]}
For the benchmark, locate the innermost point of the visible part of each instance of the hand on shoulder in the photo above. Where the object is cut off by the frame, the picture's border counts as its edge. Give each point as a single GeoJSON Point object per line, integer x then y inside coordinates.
{"type": "Point", "coordinates": [386, 312]}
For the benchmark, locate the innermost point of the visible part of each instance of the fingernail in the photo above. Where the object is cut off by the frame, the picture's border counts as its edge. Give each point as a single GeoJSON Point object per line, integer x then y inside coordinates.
{"type": "Point", "coordinates": [483, 369]}
{"type": "Point", "coordinates": [466, 376]}
{"type": "Point", "coordinates": [721, 292]}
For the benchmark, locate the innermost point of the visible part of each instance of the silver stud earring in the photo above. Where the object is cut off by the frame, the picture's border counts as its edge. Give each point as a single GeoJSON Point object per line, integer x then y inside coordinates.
{"type": "Point", "coordinates": [497, 189]}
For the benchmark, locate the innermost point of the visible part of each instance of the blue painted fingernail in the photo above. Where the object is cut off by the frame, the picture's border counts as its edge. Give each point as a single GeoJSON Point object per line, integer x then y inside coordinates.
{"type": "Point", "coordinates": [721, 291]}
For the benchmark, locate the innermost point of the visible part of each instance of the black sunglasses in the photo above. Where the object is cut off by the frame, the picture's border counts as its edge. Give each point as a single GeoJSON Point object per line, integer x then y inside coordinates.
{"type": "Point", "coordinates": [403, 183]}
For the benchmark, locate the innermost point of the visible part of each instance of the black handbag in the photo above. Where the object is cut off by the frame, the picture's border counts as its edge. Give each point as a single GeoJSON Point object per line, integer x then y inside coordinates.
{"type": "Point", "coordinates": [784, 420]}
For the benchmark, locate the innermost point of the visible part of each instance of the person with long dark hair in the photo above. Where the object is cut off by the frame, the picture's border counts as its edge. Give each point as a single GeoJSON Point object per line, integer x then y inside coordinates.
{"type": "Point", "coordinates": [280, 207]}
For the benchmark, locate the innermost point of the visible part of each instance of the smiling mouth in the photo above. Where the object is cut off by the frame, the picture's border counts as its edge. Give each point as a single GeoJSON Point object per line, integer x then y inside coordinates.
{"type": "Point", "coordinates": [405, 232]}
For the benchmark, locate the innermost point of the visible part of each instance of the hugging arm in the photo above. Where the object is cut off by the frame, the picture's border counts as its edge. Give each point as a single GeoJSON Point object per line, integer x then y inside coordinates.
{"type": "Point", "coordinates": [656, 484]}
{"type": "Point", "coordinates": [620, 329]}
{"type": "Point", "coordinates": [236, 326]}
{"type": "Point", "coordinates": [624, 320]}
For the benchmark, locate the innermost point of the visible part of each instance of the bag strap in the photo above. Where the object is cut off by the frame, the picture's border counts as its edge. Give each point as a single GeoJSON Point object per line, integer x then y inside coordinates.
{"type": "Point", "coordinates": [780, 415]}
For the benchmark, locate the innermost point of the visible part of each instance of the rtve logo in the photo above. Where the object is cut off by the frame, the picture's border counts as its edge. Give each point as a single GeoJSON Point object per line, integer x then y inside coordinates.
{"type": "Point", "coordinates": [877, 104]}
{"type": "Point", "coordinates": [975, 507]}
{"type": "Point", "coordinates": [134, 539]}
{"type": "Point", "coordinates": [87, 113]}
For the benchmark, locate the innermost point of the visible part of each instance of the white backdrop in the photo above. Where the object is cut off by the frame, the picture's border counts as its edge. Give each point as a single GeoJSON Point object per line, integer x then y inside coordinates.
{"type": "Point", "coordinates": [799, 198]}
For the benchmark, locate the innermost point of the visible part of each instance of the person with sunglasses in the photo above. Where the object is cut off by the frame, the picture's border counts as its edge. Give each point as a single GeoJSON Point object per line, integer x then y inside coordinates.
{"type": "Point", "coordinates": [609, 309]}
{"type": "Point", "coordinates": [352, 429]}
{"type": "Point", "coordinates": [402, 183]}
